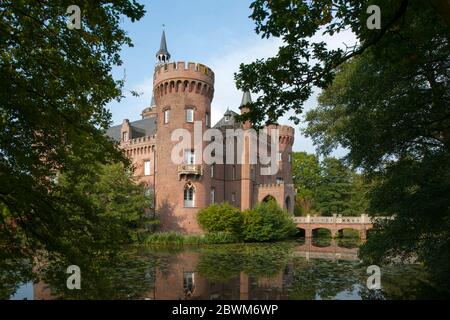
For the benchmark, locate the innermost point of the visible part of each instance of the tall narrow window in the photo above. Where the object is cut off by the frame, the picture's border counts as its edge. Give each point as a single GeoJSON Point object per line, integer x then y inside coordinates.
{"type": "Point", "coordinates": [146, 167]}
{"type": "Point", "coordinates": [166, 116]}
{"type": "Point", "coordinates": [188, 283]}
{"type": "Point", "coordinates": [212, 170]}
{"type": "Point", "coordinates": [279, 156]}
{"type": "Point", "coordinates": [213, 195]}
{"type": "Point", "coordinates": [290, 157]}
{"type": "Point", "coordinates": [189, 115]}
{"type": "Point", "coordinates": [189, 156]}
{"type": "Point", "coordinates": [207, 120]}
{"type": "Point", "coordinates": [233, 173]}
{"type": "Point", "coordinates": [125, 136]}
{"type": "Point", "coordinates": [189, 196]}
{"type": "Point", "coordinates": [233, 197]}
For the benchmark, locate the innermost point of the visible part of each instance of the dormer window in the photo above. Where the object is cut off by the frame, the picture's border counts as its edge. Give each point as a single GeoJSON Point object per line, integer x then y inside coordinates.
{"type": "Point", "coordinates": [227, 118]}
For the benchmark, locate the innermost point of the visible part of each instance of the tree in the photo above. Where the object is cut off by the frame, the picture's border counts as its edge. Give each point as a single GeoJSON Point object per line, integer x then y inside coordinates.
{"type": "Point", "coordinates": [56, 83]}
{"type": "Point", "coordinates": [306, 176]}
{"type": "Point", "coordinates": [267, 222]}
{"type": "Point", "coordinates": [304, 61]}
{"type": "Point", "coordinates": [328, 187]}
{"type": "Point", "coordinates": [392, 115]}
{"type": "Point", "coordinates": [121, 205]}
{"type": "Point", "coordinates": [386, 101]}
{"type": "Point", "coordinates": [221, 218]}
{"type": "Point", "coordinates": [334, 192]}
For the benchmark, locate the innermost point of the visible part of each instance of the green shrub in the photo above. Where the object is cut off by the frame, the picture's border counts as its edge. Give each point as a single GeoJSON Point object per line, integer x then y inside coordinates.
{"type": "Point", "coordinates": [267, 222]}
{"type": "Point", "coordinates": [220, 218]}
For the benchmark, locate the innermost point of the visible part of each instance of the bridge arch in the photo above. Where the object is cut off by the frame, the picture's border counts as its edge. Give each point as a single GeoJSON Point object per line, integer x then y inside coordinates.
{"type": "Point", "coordinates": [321, 232]}
{"type": "Point", "coordinates": [347, 232]}
{"type": "Point", "coordinates": [301, 232]}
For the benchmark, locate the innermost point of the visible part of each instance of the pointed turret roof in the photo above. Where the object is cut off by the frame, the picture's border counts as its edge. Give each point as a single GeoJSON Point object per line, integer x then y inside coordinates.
{"type": "Point", "coordinates": [246, 98]}
{"type": "Point", "coordinates": [163, 52]}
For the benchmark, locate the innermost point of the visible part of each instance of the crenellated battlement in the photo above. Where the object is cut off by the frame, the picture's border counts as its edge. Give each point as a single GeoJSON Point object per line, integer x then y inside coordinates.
{"type": "Point", "coordinates": [181, 77]}
{"type": "Point", "coordinates": [181, 67]}
{"type": "Point", "coordinates": [286, 133]}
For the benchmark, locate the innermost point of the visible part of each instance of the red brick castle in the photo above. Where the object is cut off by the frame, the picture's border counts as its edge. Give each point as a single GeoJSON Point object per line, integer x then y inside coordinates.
{"type": "Point", "coordinates": [183, 93]}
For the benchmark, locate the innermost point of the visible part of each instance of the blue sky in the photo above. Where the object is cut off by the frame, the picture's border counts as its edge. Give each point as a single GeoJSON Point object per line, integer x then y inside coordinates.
{"type": "Point", "coordinates": [218, 33]}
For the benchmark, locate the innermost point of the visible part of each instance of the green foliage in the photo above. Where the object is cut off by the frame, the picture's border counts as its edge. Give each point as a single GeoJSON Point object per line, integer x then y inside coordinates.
{"type": "Point", "coordinates": [177, 239]}
{"type": "Point", "coordinates": [305, 61]}
{"type": "Point", "coordinates": [121, 205]}
{"type": "Point", "coordinates": [327, 187]}
{"type": "Point", "coordinates": [306, 176]}
{"type": "Point", "coordinates": [267, 222]}
{"type": "Point", "coordinates": [334, 192]}
{"type": "Point", "coordinates": [220, 218]}
{"type": "Point", "coordinates": [386, 101]}
{"type": "Point", "coordinates": [389, 108]}
{"type": "Point", "coordinates": [56, 84]}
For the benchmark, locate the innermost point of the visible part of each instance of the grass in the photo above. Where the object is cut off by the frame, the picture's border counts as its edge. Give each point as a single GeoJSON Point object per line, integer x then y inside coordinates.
{"type": "Point", "coordinates": [173, 238]}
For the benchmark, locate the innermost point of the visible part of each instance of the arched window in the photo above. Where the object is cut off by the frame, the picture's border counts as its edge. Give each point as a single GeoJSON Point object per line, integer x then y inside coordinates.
{"type": "Point", "coordinates": [189, 195]}
{"type": "Point", "coordinates": [288, 204]}
{"type": "Point", "coordinates": [213, 195]}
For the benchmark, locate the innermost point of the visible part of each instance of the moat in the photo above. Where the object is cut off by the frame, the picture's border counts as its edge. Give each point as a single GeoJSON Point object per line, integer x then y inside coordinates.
{"type": "Point", "coordinates": [305, 269]}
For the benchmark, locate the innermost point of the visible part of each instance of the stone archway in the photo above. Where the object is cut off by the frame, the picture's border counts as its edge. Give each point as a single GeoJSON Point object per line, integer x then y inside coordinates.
{"type": "Point", "coordinates": [269, 198]}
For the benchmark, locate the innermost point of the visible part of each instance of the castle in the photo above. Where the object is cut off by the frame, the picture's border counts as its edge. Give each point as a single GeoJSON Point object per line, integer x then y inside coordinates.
{"type": "Point", "coordinates": [182, 96]}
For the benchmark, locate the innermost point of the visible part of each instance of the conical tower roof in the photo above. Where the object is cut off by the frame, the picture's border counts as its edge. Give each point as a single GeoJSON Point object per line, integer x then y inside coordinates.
{"type": "Point", "coordinates": [246, 98]}
{"type": "Point", "coordinates": [163, 54]}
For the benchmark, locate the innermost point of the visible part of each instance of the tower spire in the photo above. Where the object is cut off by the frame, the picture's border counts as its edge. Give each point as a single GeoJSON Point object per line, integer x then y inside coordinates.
{"type": "Point", "coordinates": [163, 54]}
{"type": "Point", "coordinates": [246, 98]}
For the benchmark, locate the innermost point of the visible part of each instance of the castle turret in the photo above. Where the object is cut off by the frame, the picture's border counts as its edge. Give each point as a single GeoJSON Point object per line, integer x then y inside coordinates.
{"type": "Point", "coordinates": [150, 111]}
{"type": "Point", "coordinates": [163, 54]}
{"type": "Point", "coordinates": [246, 178]}
{"type": "Point", "coordinates": [246, 100]}
{"type": "Point", "coordinates": [183, 95]}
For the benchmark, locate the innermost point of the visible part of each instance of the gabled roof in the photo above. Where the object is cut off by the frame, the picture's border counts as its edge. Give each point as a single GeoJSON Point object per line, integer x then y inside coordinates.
{"type": "Point", "coordinates": [231, 122]}
{"type": "Point", "coordinates": [140, 128]}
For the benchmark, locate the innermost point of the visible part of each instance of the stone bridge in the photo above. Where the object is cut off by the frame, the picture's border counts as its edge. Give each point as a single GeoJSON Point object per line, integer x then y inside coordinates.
{"type": "Point", "coordinates": [335, 224]}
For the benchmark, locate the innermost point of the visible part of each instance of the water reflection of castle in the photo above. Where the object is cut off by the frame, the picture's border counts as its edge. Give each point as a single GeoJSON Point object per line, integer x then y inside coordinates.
{"type": "Point", "coordinates": [182, 282]}
{"type": "Point", "coordinates": [180, 279]}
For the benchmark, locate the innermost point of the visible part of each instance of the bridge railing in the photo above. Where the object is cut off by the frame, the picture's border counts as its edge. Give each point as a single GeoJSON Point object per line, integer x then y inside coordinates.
{"type": "Point", "coordinates": [335, 219]}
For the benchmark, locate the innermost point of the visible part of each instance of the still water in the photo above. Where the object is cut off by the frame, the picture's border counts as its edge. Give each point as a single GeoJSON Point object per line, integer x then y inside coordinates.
{"type": "Point", "coordinates": [306, 269]}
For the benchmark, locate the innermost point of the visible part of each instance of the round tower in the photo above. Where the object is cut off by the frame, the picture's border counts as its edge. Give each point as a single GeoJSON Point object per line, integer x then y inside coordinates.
{"type": "Point", "coordinates": [286, 139]}
{"type": "Point", "coordinates": [183, 94]}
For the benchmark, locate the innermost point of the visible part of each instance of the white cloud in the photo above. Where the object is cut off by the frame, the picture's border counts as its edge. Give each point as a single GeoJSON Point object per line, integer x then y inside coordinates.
{"type": "Point", "coordinates": [224, 66]}
{"type": "Point", "coordinates": [227, 96]}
